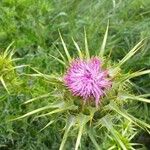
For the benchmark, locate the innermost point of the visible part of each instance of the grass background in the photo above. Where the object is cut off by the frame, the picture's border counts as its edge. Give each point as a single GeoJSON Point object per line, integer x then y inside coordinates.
{"type": "Point", "coordinates": [33, 26]}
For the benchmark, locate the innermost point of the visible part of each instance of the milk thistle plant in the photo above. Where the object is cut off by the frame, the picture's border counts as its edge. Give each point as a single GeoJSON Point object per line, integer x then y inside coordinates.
{"type": "Point", "coordinates": [93, 99]}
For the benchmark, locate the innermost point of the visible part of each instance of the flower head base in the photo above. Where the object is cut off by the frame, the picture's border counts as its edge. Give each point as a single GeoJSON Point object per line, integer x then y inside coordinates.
{"type": "Point", "coordinates": [86, 78]}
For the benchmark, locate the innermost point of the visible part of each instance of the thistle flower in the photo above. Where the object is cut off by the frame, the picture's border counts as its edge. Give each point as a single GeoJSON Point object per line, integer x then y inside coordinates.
{"type": "Point", "coordinates": [86, 78]}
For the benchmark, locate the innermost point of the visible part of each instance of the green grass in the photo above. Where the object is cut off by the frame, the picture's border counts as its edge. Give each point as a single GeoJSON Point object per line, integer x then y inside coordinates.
{"type": "Point", "coordinates": [33, 26]}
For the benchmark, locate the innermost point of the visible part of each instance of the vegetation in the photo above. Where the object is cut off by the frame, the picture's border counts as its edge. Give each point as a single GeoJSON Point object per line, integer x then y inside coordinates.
{"type": "Point", "coordinates": [37, 111]}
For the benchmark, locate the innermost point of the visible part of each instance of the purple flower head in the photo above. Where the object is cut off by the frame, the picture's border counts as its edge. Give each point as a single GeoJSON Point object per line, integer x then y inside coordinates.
{"type": "Point", "coordinates": [86, 78]}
